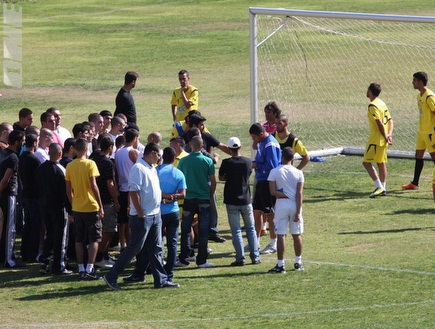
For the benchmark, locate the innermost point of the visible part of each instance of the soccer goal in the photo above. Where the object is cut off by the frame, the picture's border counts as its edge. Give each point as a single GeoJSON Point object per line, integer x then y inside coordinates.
{"type": "Point", "coordinates": [317, 67]}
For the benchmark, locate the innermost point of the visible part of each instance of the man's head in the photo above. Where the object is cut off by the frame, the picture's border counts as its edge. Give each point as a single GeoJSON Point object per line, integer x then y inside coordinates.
{"type": "Point", "coordinates": [177, 144]}
{"type": "Point", "coordinates": [31, 142]}
{"type": "Point", "coordinates": [48, 121]}
{"type": "Point", "coordinates": [183, 77]}
{"type": "Point", "coordinates": [374, 90]}
{"type": "Point", "coordinates": [234, 145]}
{"type": "Point", "coordinates": [57, 115]}
{"type": "Point", "coordinates": [131, 136]}
{"type": "Point", "coordinates": [98, 122]}
{"type": "Point", "coordinates": [152, 153]}
{"type": "Point", "coordinates": [281, 123]}
{"type": "Point", "coordinates": [196, 144]}
{"type": "Point", "coordinates": [271, 111]}
{"type": "Point", "coordinates": [25, 118]}
{"type": "Point", "coordinates": [258, 133]}
{"type": "Point", "coordinates": [5, 130]}
{"type": "Point", "coordinates": [55, 152]}
{"type": "Point", "coordinates": [16, 140]}
{"type": "Point", "coordinates": [106, 144]}
{"type": "Point", "coordinates": [130, 79]}
{"type": "Point", "coordinates": [117, 125]}
{"type": "Point", "coordinates": [81, 147]}
{"type": "Point", "coordinates": [419, 80]}
{"type": "Point", "coordinates": [168, 155]}
{"type": "Point", "coordinates": [80, 130]}
{"type": "Point", "coordinates": [287, 155]}
{"type": "Point", "coordinates": [107, 117]}
{"type": "Point", "coordinates": [45, 138]}
{"type": "Point", "coordinates": [197, 120]}
{"type": "Point", "coordinates": [68, 147]}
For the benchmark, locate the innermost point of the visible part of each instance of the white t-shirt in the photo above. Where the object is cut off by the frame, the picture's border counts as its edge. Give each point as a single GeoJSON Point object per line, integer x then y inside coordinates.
{"type": "Point", "coordinates": [287, 178]}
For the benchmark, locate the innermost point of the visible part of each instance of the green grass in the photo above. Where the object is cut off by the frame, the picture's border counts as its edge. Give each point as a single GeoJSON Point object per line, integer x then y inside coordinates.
{"type": "Point", "coordinates": [368, 262]}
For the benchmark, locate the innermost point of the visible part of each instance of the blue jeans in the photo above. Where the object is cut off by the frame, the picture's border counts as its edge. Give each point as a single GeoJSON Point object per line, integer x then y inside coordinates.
{"type": "Point", "coordinates": [202, 208]}
{"type": "Point", "coordinates": [170, 223]}
{"type": "Point", "coordinates": [234, 213]}
{"type": "Point", "coordinates": [146, 241]}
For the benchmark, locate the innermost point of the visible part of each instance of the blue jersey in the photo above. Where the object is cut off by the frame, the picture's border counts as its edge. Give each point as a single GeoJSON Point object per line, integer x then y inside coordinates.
{"type": "Point", "coordinates": [171, 180]}
{"type": "Point", "coordinates": [268, 157]}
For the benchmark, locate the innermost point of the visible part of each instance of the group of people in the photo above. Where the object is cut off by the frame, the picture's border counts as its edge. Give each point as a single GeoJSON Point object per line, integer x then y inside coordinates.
{"type": "Point", "coordinates": [381, 132]}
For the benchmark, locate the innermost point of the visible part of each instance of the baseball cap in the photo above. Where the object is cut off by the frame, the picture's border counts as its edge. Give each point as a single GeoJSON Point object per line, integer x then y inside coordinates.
{"type": "Point", "coordinates": [234, 143]}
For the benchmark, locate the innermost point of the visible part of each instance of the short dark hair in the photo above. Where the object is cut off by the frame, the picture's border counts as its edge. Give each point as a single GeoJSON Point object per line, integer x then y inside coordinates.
{"type": "Point", "coordinates": [54, 149]}
{"type": "Point", "coordinates": [105, 113]}
{"type": "Point", "coordinates": [44, 116]}
{"type": "Point", "coordinates": [119, 141]}
{"type": "Point", "coordinates": [196, 119]}
{"type": "Point", "coordinates": [130, 76]}
{"type": "Point", "coordinates": [30, 140]}
{"type": "Point", "coordinates": [256, 129]}
{"type": "Point", "coordinates": [178, 140]}
{"type": "Point", "coordinates": [15, 136]}
{"type": "Point", "coordinates": [105, 141]}
{"type": "Point", "coordinates": [150, 148]}
{"type": "Point", "coordinates": [24, 112]}
{"type": "Point", "coordinates": [183, 72]}
{"type": "Point", "coordinates": [375, 89]}
{"type": "Point", "coordinates": [287, 154]}
{"type": "Point", "coordinates": [93, 117]}
{"type": "Point", "coordinates": [130, 135]}
{"type": "Point", "coordinates": [79, 128]}
{"type": "Point", "coordinates": [81, 144]}
{"type": "Point", "coordinates": [422, 76]}
{"type": "Point", "coordinates": [194, 131]}
{"type": "Point", "coordinates": [68, 143]}
{"type": "Point", "coordinates": [168, 155]}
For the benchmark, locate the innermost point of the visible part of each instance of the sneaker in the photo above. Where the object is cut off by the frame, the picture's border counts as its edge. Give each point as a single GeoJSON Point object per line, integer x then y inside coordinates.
{"type": "Point", "coordinates": [181, 263]}
{"type": "Point", "coordinates": [377, 192]}
{"type": "Point", "coordinates": [410, 186]}
{"type": "Point", "coordinates": [206, 265]}
{"type": "Point", "coordinates": [92, 275]}
{"type": "Point", "coordinates": [256, 261]}
{"type": "Point", "coordinates": [82, 275]}
{"type": "Point", "coordinates": [112, 284]}
{"type": "Point", "coordinates": [115, 248]}
{"type": "Point", "coordinates": [132, 279]}
{"type": "Point", "coordinates": [270, 249]}
{"type": "Point", "coordinates": [217, 238]}
{"type": "Point", "coordinates": [169, 284]}
{"type": "Point", "coordinates": [63, 272]}
{"type": "Point", "coordinates": [191, 259]}
{"type": "Point", "coordinates": [277, 269]}
{"type": "Point", "coordinates": [384, 193]}
{"type": "Point", "coordinates": [299, 267]}
{"type": "Point", "coordinates": [104, 263]}
{"type": "Point", "coordinates": [238, 263]}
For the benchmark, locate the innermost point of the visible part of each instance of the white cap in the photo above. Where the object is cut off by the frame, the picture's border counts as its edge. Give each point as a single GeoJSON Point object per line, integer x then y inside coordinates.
{"type": "Point", "coordinates": [234, 143]}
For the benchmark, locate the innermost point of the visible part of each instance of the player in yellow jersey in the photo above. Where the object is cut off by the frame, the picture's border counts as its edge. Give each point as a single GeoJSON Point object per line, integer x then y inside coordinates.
{"type": "Point", "coordinates": [381, 130]}
{"type": "Point", "coordinates": [426, 107]}
{"type": "Point", "coordinates": [185, 98]}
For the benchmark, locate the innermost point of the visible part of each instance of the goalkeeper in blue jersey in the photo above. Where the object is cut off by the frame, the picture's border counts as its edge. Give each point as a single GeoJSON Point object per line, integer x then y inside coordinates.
{"type": "Point", "coordinates": [381, 130]}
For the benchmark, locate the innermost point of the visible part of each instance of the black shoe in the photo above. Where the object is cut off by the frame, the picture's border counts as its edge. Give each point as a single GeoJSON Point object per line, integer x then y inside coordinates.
{"type": "Point", "coordinates": [238, 263]}
{"type": "Point", "coordinates": [82, 275]}
{"type": "Point", "coordinates": [217, 238]}
{"type": "Point", "coordinates": [92, 275]}
{"type": "Point", "coordinates": [170, 285]}
{"type": "Point", "coordinates": [256, 261]}
{"type": "Point", "coordinates": [44, 268]}
{"type": "Point", "coordinates": [299, 267]}
{"type": "Point", "coordinates": [132, 278]}
{"type": "Point", "coordinates": [277, 269]}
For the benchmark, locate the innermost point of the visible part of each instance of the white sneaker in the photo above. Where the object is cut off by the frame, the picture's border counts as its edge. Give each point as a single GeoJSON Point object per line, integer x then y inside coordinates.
{"type": "Point", "coordinates": [110, 261]}
{"type": "Point", "coordinates": [270, 249]}
{"type": "Point", "coordinates": [206, 265]}
{"type": "Point", "coordinates": [191, 259]}
{"type": "Point", "coordinates": [103, 263]}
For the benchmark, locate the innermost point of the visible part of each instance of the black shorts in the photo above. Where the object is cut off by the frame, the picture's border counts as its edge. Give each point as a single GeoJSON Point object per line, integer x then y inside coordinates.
{"type": "Point", "coordinates": [87, 227]}
{"type": "Point", "coordinates": [263, 200]}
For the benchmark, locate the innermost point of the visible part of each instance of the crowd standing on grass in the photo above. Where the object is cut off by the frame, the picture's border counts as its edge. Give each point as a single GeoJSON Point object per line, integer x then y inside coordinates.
{"type": "Point", "coordinates": [99, 187]}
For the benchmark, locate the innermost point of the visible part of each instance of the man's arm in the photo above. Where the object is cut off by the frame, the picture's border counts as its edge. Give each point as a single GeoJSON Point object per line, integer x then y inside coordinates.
{"type": "Point", "coordinates": [224, 148]}
{"type": "Point", "coordinates": [96, 191]}
{"type": "Point", "coordinates": [113, 193]}
{"type": "Point", "coordinates": [5, 180]}
{"type": "Point", "coordinates": [135, 200]}
{"type": "Point", "coordinates": [174, 111]}
{"type": "Point", "coordinates": [275, 192]}
{"type": "Point", "coordinates": [299, 197]}
{"type": "Point", "coordinates": [69, 191]}
{"type": "Point", "coordinates": [212, 184]}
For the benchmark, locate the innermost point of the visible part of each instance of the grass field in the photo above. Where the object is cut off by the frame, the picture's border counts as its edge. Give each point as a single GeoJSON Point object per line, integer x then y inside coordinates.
{"type": "Point", "coordinates": [368, 263]}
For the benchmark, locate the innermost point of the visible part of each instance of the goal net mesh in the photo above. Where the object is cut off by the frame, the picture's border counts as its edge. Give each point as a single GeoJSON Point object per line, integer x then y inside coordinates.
{"type": "Point", "coordinates": [318, 69]}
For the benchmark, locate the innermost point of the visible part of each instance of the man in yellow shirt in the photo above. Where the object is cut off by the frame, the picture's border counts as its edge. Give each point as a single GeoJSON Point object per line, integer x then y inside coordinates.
{"type": "Point", "coordinates": [426, 107]}
{"type": "Point", "coordinates": [381, 130]}
{"type": "Point", "coordinates": [84, 196]}
{"type": "Point", "coordinates": [185, 98]}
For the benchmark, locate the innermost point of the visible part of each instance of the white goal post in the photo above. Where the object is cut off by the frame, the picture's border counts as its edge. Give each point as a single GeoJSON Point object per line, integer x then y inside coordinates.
{"type": "Point", "coordinates": [317, 67]}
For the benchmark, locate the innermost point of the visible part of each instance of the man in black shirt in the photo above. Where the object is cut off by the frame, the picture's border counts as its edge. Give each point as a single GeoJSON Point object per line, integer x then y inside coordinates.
{"type": "Point", "coordinates": [124, 100]}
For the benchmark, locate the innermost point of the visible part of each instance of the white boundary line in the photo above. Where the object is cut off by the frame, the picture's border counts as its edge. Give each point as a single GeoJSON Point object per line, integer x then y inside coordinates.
{"type": "Point", "coordinates": [229, 318]}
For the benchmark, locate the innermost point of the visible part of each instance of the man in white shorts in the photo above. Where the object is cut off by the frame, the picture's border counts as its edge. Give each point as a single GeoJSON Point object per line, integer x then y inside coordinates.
{"type": "Point", "coordinates": [286, 184]}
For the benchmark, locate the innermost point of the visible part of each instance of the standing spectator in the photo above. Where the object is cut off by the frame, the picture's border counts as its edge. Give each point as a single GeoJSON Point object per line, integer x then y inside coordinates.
{"type": "Point", "coordinates": [8, 196]}
{"type": "Point", "coordinates": [98, 123]}
{"type": "Point", "coordinates": [426, 108]}
{"type": "Point", "coordinates": [200, 177]}
{"type": "Point", "coordinates": [84, 196]}
{"type": "Point", "coordinates": [25, 119]}
{"type": "Point", "coordinates": [5, 130]}
{"type": "Point", "coordinates": [68, 153]}
{"type": "Point", "coordinates": [61, 131]}
{"type": "Point", "coordinates": [271, 112]}
{"type": "Point", "coordinates": [117, 125]}
{"type": "Point", "coordinates": [48, 121]}
{"type": "Point", "coordinates": [107, 118]}
{"type": "Point", "coordinates": [109, 198]}
{"type": "Point", "coordinates": [145, 221]}
{"type": "Point", "coordinates": [124, 100]}
{"type": "Point", "coordinates": [178, 145]}
{"type": "Point", "coordinates": [381, 130]}
{"type": "Point", "coordinates": [45, 139]}
{"type": "Point", "coordinates": [54, 205]}
{"type": "Point", "coordinates": [235, 171]}
{"type": "Point", "coordinates": [185, 98]}
{"type": "Point", "coordinates": [286, 184]}
{"type": "Point", "coordinates": [123, 165]}
{"type": "Point", "coordinates": [31, 243]}
{"type": "Point", "coordinates": [268, 156]}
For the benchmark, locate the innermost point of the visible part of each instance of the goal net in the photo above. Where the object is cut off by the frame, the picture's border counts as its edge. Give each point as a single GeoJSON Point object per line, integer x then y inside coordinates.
{"type": "Point", "coordinates": [317, 67]}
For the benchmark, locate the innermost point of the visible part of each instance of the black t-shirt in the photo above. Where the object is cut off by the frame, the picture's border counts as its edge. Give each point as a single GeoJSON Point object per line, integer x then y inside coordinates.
{"type": "Point", "coordinates": [27, 168]}
{"type": "Point", "coordinates": [125, 105]}
{"type": "Point", "coordinates": [236, 171]}
{"type": "Point", "coordinates": [106, 169]}
{"type": "Point", "coordinates": [9, 160]}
